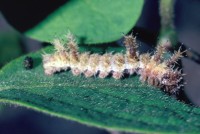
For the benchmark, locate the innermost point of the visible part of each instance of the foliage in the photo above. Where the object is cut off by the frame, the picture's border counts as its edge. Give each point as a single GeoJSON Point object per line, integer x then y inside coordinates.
{"type": "Point", "coordinates": [124, 105]}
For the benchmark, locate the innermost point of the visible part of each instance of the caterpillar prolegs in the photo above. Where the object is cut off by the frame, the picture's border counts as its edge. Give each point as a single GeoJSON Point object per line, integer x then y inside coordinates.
{"type": "Point", "coordinates": [152, 69]}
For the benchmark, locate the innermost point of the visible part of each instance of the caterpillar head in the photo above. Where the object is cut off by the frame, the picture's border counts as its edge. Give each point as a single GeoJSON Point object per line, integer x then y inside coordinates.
{"type": "Point", "coordinates": [172, 81]}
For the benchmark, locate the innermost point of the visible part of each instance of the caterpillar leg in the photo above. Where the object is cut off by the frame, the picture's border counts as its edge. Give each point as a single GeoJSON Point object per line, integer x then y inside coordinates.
{"type": "Point", "coordinates": [92, 67]}
{"type": "Point", "coordinates": [118, 65]}
{"type": "Point", "coordinates": [105, 65]}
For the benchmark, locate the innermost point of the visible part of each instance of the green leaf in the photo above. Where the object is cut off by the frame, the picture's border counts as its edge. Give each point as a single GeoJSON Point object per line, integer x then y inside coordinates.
{"type": "Point", "coordinates": [92, 21]}
{"type": "Point", "coordinates": [9, 46]}
{"type": "Point", "coordinates": [125, 105]}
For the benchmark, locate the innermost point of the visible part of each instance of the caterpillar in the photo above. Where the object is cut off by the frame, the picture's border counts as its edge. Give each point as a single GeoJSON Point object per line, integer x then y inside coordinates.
{"type": "Point", "coordinates": [152, 68]}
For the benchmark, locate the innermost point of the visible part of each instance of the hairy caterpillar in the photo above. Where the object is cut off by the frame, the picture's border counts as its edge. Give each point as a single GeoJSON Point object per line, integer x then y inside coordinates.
{"type": "Point", "coordinates": [152, 69]}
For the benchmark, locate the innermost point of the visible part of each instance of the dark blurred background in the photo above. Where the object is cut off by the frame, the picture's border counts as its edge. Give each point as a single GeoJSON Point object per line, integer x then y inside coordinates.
{"type": "Point", "coordinates": [23, 14]}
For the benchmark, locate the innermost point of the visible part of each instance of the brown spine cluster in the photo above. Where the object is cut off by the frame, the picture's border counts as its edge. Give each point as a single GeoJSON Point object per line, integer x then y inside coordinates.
{"type": "Point", "coordinates": [152, 69]}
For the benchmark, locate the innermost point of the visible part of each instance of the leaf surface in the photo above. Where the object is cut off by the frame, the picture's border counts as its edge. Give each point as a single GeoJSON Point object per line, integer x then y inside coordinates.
{"type": "Point", "coordinates": [9, 46]}
{"type": "Point", "coordinates": [92, 21]}
{"type": "Point", "coordinates": [125, 105]}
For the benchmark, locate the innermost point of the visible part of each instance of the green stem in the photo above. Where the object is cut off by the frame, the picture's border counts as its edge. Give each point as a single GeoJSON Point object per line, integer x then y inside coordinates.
{"type": "Point", "coordinates": [168, 35]}
{"type": "Point", "coordinates": [167, 13]}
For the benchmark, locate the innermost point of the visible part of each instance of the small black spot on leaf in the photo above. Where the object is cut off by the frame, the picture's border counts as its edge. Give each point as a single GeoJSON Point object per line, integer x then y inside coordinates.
{"type": "Point", "coordinates": [28, 62]}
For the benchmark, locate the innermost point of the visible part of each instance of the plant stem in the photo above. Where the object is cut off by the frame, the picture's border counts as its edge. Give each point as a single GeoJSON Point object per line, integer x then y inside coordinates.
{"type": "Point", "coordinates": [167, 13]}
{"type": "Point", "coordinates": [168, 35]}
{"type": "Point", "coordinates": [150, 37]}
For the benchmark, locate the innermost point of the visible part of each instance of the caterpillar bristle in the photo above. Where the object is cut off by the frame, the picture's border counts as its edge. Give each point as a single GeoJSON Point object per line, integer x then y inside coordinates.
{"type": "Point", "coordinates": [175, 57]}
{"type": "Point", "coordinates": [145, 58]}
{"type": "Point", "coordinates": [58, 45]}
{"type": "Point", "coordinates": [131, 46]}
{"type": "Point", "coordinates": [158, 56]}
{"type": "Point", "coordinates": [152, 69]}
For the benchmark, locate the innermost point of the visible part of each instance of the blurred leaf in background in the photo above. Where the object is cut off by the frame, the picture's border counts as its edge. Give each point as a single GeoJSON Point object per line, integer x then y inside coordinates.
{"type": "Point", "coordinates": [92, 21]}
{"type": "Point", "coordinates": [10, 40]}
